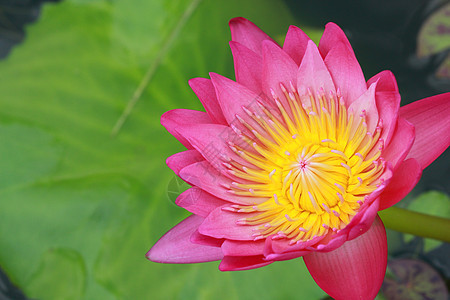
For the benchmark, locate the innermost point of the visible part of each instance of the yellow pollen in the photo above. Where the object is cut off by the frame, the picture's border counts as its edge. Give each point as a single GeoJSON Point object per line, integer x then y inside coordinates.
{"type": "Point", "coordinates": [311, 159]}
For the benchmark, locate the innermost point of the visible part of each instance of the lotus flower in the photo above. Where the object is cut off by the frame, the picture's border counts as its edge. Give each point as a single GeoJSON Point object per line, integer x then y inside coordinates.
{"type": "Point", "coordinates": [295, 158]}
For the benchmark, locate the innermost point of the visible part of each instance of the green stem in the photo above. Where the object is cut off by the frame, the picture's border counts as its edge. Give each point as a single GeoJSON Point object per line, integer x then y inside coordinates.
{"type": "Point", "coordinates": [419, 224]}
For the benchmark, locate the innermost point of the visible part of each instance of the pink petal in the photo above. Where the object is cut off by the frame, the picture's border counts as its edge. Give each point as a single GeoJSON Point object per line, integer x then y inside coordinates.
{"type": "Point", "coordinates": [248, 34]}
{"type": "Point", "coordinates": [281, 249]}
{"type": "Point", "coordinates": [388, 102]}
{"type": "Point", "coordinates": [430, 117]}
{"type": "Point", "coordinates": [222, 224]}
{"type": "Point", "coordinates": [366, 104]}
{"type": "Point", "coordinates": [342, 63]}
{"type": "Point", "coordinates": [239, 263]}
{"type": "Point", "coordinates": [313, 74]}
{"type": "Point", "coordinates": [283, 245]}
{"type": "Point", "coordinates": [198, 238]}
{"type": "Point", "coordinates": [248, 67]}
{"type": "Point", "coordinates": [403, 181]}
{"type": "Point", "coordinates": [401, 143]}
{"type": "Point", "coordinates": [356, 269]}
{"type": "Point", "coordinates": [278, 68]}
{"type": "Point", "coordinates": [287, 255]}
{"type": "Point", "coordinates": [182, 159]}
{"type": "Point", "coordinates": [211, 140]}
{"type": "Point", "coordinates": [232, 97]}
{"type": "Point", "coordinates": [360, 223]}
{"type": "Point", "coordinates": [332, 36]}
{"type": "Point", "coordinates": [242, 248]}
{"type": "Point", "coordinates": [206, 177]}
{"type": "Point", "coordinates": [175, 246]}
{"type": "Point", "coordinates": [198, 202]}
{"type": "Point", "coordinates": [295, 43]}
{"type": "Point", "coordinates": [206, 93]}
{"type": "Point", "coordinates": [178, 117]}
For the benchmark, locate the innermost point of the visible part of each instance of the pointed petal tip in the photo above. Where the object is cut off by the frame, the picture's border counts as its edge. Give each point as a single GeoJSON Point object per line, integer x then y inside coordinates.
{"type": "Point", "coordinates": [238, 20]}
{"type": "Point", "coordinates": [151, 256]}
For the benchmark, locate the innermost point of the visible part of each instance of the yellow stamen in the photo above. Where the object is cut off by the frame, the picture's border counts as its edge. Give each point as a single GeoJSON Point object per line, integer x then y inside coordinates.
{"type": "Point", "coordinates": [312, 159]}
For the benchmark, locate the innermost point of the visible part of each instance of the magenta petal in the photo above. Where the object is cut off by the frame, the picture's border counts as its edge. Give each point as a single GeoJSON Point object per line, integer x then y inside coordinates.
{"type": "Point", "coordinates": [283, 245]}
{"type": "Point", "coordinates": [356, 269]}
{"type": "Point", "coordinates": [287, 255]}
{"type": "Point", "coordinates": [388, 102]}
{"type": "Point", "coordinates": [295, 43]}
{"type": "Point", "coordinates": [198, 202]}
{"type": "Point", "coordinates": [221, 223]}
{"type": "Point", "coordinates": [386, 81]}
{"type": "Point", "coordinates": [332, 36]}
{"type": "Point", "coordinates": [242, 248]}
{"type": "Point", "coordinates": [183, 159]}
{"type": "Point", "coordinates": [359, 225]}
{"type": "Point", "coordinates": [248, 66]}
{"type": "Point", "coordinates": [342, 63]}
{"type": "Point", "coordinates": [198, 238]}
{"type": "Point", "coordinates": [239, 263]}
{"type": "Point", "coordinates": [206, 177]}
{"type": "Point", "coordinates": [179, 117]}
{"type": "Point", "coordinates": [211, 141]}
{"type": "Point", "coordinates": [175, 246]}
{"type": "Point", "coordinates": [400, 144]}
{"type": "Point", "coordinates": [278, 67]}
{"type": "Point", "coordinates": [248, 34]}
{"type": "Point", "coordinates": [366, 103]}
{"type": "Point", "coordinates": [313, 74]}
{"type": "Point", "coordinates": [206, 93]}
{"type": "Point", "coordinates": [232, 96]}
{"type": "Point", "coordinates": [430, 117]}
{"type": "Point", "coordinates": [403, 181]}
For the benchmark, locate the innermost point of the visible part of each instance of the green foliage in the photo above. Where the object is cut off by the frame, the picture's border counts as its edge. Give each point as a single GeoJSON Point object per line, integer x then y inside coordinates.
{"type": "Point", "coordinates": [433, 203]}
{"type": "Point", "coordinates": [79, 206]}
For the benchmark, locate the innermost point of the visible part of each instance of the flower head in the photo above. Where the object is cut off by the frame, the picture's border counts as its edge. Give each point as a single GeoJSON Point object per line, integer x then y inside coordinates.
{"type": "Point", "coordinates": [295, 158]}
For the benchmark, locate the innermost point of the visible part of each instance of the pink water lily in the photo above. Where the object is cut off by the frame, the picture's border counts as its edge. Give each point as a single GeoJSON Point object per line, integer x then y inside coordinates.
{"type": "Point", "coordinates": [295, 158]}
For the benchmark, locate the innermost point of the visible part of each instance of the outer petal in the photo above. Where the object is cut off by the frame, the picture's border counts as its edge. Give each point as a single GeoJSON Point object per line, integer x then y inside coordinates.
{"type": "Point", "coordinates": [242, 248]}
{"type": "Point", "coordinates": [238, 263]}
{"type": "Point", "coordinates": [199, 202]}
{"type": "Point", "coordinates": [356, 269]}
{"type": "Point", "coordinates": [388, 102]}
{"type": "Point", "coordinates": [198, 238]}
{"type": "Point", "coordinates": [221, 223]}
{"type": "Point", "coordinates": [248, 67]}
{"type": "Point", "coordinates": [179, 117]}
{"type": "Point", "coordinates": [332, 36]}
{"type": "Point", "coordinates": [282, 250]}
{"type": "Point", "coordinates": [430, 117]}
{"type": "Point", "coordinates": [403, 181]}
{"type": "Point", "coordinates": [400, 144]}
{"type": "Point", "coordinates": [342, 63]}
{"type": "Point", "coordinates": [206, 93]}
{"type": "Point", "coordinates": [248, 34]}
{"type": "Point", "coordinates": [295, 43]}
{"type": "Point", "coordinates": [183, 159]}
{"type": "Point", "coordinates": [313, 74]}
{"type": "Point", "coordinates": [175, 246]}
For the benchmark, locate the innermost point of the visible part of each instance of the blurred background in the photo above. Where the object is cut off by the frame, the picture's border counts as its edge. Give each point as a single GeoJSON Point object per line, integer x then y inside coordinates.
{"type": "Point", "coordinates": [84, 189]}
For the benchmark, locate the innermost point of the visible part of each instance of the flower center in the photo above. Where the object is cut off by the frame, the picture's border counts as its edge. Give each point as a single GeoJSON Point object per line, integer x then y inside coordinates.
{"type": "Point", "coordinates": [312, 165]}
